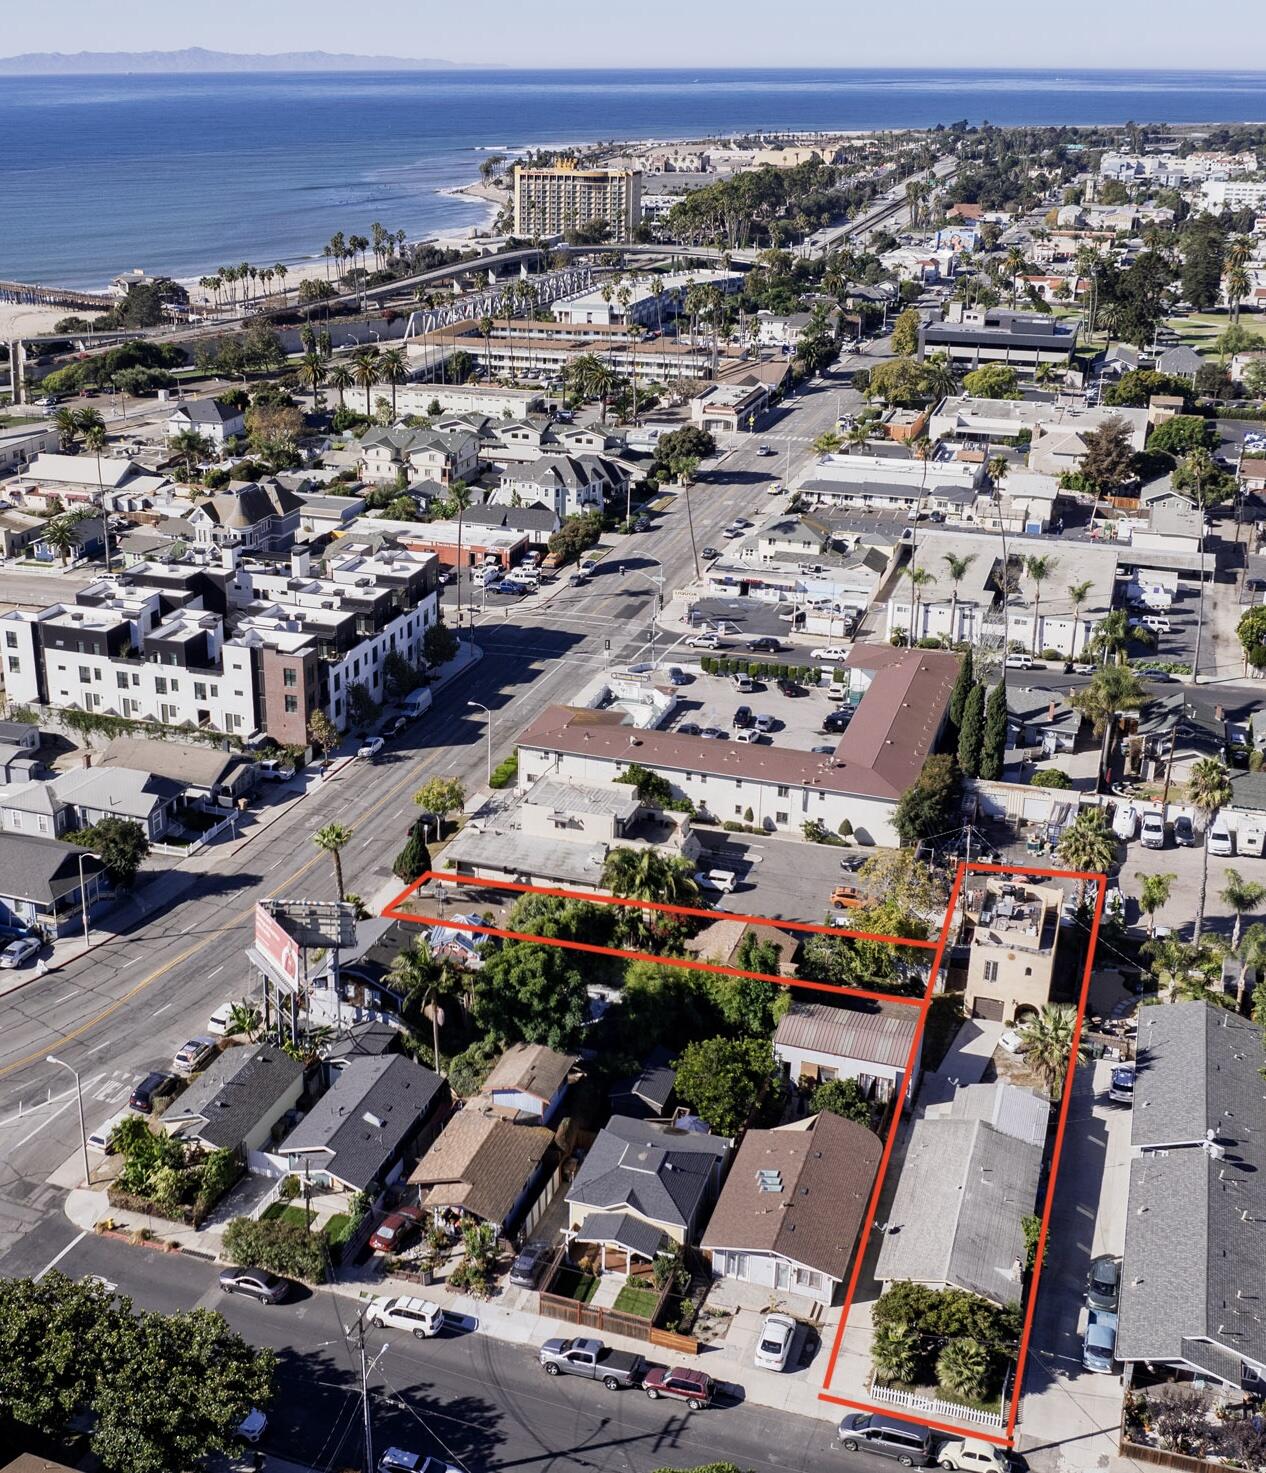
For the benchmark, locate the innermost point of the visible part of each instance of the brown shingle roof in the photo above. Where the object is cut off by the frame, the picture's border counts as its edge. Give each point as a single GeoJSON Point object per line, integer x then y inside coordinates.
{"type": "Point", "coordinates": [481, 1164]}
{"type": "Point", "coordinates": [826, 1172]}
{"type": "Point", "coordinates": [531, 1069]}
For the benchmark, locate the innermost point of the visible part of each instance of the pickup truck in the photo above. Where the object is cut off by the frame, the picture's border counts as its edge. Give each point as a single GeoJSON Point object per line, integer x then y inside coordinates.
{"type": "Point", "coordinates": [594, 1360]}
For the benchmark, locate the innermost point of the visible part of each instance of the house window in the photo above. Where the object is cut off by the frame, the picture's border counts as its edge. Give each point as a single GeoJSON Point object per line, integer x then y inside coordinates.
{"type": "Point", "coordinates": [289, 677]}
{"type": "Point", "coordinates": [291, 704]}
{"type": "Point", "coordinates": [85, 675]}
{"type": "Point", "coordinates": [199, 690]}
{"type": "Point", "coordinates": [991, 971]}
{"type": "Point", "coordinates": [782, 817]}
{"type": "Point", "coordinates": [121, 679]}
{"type": "Point", "coordinates": [160, 685]}
{"type": "Point", "coordinates": [15, 665]}
{"type": "Point", "coordinates": [783, 792]}
{"type": "Point", "coordinates": [10, 639]}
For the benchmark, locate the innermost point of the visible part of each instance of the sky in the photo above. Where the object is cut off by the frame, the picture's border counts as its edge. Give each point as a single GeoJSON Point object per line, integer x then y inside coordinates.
{"type": "Point", "coordinates": [690, 33]}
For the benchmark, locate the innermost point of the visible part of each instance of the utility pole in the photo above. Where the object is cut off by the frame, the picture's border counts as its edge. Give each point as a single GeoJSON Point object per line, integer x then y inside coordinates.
{"type": "Point", "coordinates": [366, 1420]}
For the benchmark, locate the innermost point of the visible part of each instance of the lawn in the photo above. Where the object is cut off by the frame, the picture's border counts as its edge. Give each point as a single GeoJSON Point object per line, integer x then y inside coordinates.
{"type": "Point", "coordinates": [570, 1283]}
{"type": "Point", "coordinates": [633, 1299]}
{"type": "Point", "coordinates": [288, 1213]}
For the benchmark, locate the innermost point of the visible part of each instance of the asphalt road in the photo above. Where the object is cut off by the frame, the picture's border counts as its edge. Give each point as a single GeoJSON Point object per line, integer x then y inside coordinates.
{"type": "Point", "coordinates": [126, 1007]}
{"type": "Point", "coordinates": [463, 1396]}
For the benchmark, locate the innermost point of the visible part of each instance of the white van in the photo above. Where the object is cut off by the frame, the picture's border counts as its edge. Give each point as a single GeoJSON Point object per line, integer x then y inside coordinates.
{"type": "Point", "coordinates": [723, 880]}
{"type": "Point", "coordinates": [220, 1020]}
{"type": "Point", "coordinates": [1125, 823]}
{"type": "Point", "coordinates": [1220, 839]}
{"type": "Point", "coordinates": [99, 1140]}
{"type": "Point", "coordinates": [490, 573]}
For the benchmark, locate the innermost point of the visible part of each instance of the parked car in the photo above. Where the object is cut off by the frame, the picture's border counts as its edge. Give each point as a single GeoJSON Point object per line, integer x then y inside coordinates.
{"type": "Point", "coordinates": [829, 652]}
{"type": "Point", "coordinates": [1184, 833]}
{"type": "Point", "coordinates": [1219, 839]}
{"type": "Point", "coordinates": [100, 1138]}
{"type": "Point", "coordinates": [508, 586]}
{"type": "Point", "coordinates": [252, 1426]}
{"type": "Point", "coordinates": [765, 644]}
{"type": "Point", "coordinates": [594, 1361]}
{"type": "Point", "coordinates": [713, 734]}
{"type": "Point", "coordinates": [1157, 623]}
{"type": "Point", "coordinates": [401, 1460]}
{"type": "Point", "coordinates": [693, 1387]}
{"type": "Point", "coordinates": [1012, 1042]}
{"type": "Point", "coordinates": [1121, 1087]}
{"type": "Point", "coordinates": [1103, 1285]}
{"type": "Point", "coordinates": [823, 751]}
{"type": "Point", "coordinates": [721, 880]}
{"type": "Point", "coordinates": [747, 734]}
{"type": "Point", "coordinates": [837, 720]}
{"type": "Point", "coordinates": [1019, 662]}
{"type": "Point", "coordinates": [371, 748]}
{"type": "Point", "coordinates": [1125, 821]}
{"type": "Point", "coordinates": [764, 722]}
{"type": "Point", "coordinates": [396, 1229]}
{"type": "Point", "coordinates": [1152, 832]}
{"type": "Point", "coordinates": [578, 580]}
{"type": "Point", "coordinates": [743, 683]}
{"type": "Point", "coordinates": [21, 951]}
{"type": "Point", "coordinates": [790, 688]}
{"type": "Point", "coordinates": [677, 676]}
{"type": "Point", "coordinates": [420, 1317]}
{"type": "Point", "coordinates": [973, 1455]}
{"type": "Point", "coordinates": [910, 1443]}
{"type": "Point", "coordinates": [273, 770]}
{"type": "Point", "coordinates": [689, 728]}
{"type": "Point", "coordinates": [529, 1264]}
{"type": "Point", "coordinates": [731, 532]}
{"type": "Point", "coordinates": [194, 1055]}
{"type": "Point", "coordinates": [711, 553]}
{"type": "Point", "coordinates": [153, 1087]}
{"type": "Point", "coordinates": [742, 716]}
{"type": "Point", "coordinates": [1099, 1346]}
{"type": "Point", "coordinates": [773, 1345]}
{"type": "Point", "coordinates": [396, 726]}
{"type": "Point", "coordinates": [257, 1283]}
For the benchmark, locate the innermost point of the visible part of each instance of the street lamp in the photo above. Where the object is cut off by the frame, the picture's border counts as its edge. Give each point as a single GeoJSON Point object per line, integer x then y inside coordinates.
{"type": "Point", "coordinates": [83, 899]}
{"type": "Point", "coordinates": [480, 707]}
{"type": "Point", "coordinates": [79, 1096]}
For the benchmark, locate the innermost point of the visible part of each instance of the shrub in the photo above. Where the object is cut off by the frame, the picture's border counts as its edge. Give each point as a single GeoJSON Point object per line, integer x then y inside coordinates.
{"type": "Point", "coordinates": [1050, 777]}
{"type": "Point", "coordinates": [505, 772]}
{"type": "Point", "coordinates": [282, 1247]}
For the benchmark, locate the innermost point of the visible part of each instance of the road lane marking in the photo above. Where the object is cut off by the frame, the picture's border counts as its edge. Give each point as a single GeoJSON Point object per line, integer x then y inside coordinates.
{"type": "Point", "coordinates": [61, 1110]}
{"type": "Point", "coordinates": [74, 1243]}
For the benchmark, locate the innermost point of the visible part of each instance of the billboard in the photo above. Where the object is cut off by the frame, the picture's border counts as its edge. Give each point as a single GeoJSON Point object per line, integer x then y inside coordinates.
{"type": "Point", "coordinates": [275, 950]}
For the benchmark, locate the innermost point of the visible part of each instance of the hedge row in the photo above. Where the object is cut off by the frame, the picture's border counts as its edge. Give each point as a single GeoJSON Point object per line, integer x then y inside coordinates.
{"type": "Point", "coordinates": [764, 670]}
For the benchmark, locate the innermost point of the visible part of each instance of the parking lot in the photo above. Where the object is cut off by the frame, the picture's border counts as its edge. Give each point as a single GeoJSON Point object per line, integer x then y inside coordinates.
{"type": "Point", "coordinates": [1186, 866]}
{"type": "Point", "coordinates": [710, 701]}
{"type": "Point", "coordinates": [784, 879]}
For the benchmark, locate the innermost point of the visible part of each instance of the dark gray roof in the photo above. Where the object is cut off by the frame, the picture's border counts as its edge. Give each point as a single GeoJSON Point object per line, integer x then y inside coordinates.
{"type": "Point", "coordinates": [41, 870]}
{"type": "Point", "coordinates": [363, 1040]}
{"type": "Point", "coordinates": [14, 733]}
{"type": "Point", "coordinates": [661, 1174]}
{"type": "Point", "coordinates": [964, 1191]}
{"type": "Point", "coordinates": [356, 1129]}
{"type": "Point", "coordinates": [208, 411]}
{"type": "Point", "coordinates": [530, 519]}
{"type": "Point", "coordinates": [1003, 330]}
{"type": "Point", "coordinates": [241, 1088]}
{"type": "Point", "coordinates": [1195, 1237]}
{"type": "Point", "coordinates": [624, 1231]}
{"type": "Point", "coordinates": [654, 1084]}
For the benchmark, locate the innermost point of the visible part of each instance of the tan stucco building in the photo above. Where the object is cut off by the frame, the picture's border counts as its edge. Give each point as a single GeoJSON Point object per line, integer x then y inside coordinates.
{"type": "Point", "coordinates": [1012, 931]}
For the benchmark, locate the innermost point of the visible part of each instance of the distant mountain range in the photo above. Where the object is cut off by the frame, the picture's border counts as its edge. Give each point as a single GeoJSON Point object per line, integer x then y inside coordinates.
{"type": "Point", "coordinates": [197, 59]}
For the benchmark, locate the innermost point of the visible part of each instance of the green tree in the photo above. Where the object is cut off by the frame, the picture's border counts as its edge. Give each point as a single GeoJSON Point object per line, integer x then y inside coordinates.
{"type": "Point", "coordinates": [992, 381]}
{"type": "Point", "coordinates": [245, 1019]}
{"type": "Point", "coordinates": [1240, 896]}
{"type": "Point", "coordinates": [843, 1097]}
{"type": "Point", "coordinates": [1038, 570]}
{"type": "Point", "coordinates": [1108, 461]}
{"type": "Point", "coordinates": [340, 377]}
{"type": "Point", "coordinates": [957, 567]}
{"type": "Point", "coordinates": [930, 805]}
{"type": "Point", "coordinates": [393, 369]}
{"type": "Point", "coordinates": [423, 982]}
{"type": "Point", "coordinates": [530, 993]}
{"type": "Point", "coordinates": [332, 839]}
{"type": "Point", "coordinates": [972, 733]}
{"type": "Point", "coordinates": [1153, 894]}
{"type": "Point", "coordinates": [1109, 693]}
{"type": "Point", "coordinates": [1208, 792]}
{"type": "Point", "coordinates": [963, 1369]}
{"type": "Point", "coordinates": [877, 966]}
{"type": "Point", "coordinates": [441, 795]}
{"type": "Point", "coordinates": [1050, 777]}
{"type": "Point", "coordinates": [414, 859]}
{"type": "Point", "coordinates": [646, 874]}
{"type": "Point", "coordinates": [1048, 1045]}
{"type": "Point", "coordinates": [1087, 845]}
{"type": "Point", "coordinates": [120, 843]}
{"type": "Point", "coordinates": [895, 1351]}
{"type": "Point", "coordinates": [61, 536]}
{"type": "Point", "coordinates": [993, 746]}
{"type": "Point", "coordinates": [439, 644]}
{"type": "Point", "coordinates": [1180, 434]}
{"type": "Point", "coordinates": [899, 381]}
{"type": "Point", "coordinates": [322, 732]}
{"type": "Point", "coordinates": [721, 1079]}
{"type": "Point", "coordinates": [905, 334]}
{"type": "Point", "coordinates": [1198, 474]}
{"type": "Point", "coordinates": [964, 684]}
{"type": "Point", "coordinates": [1134, 388]}
{"type": "Point", "coordinates": [1252, 632]}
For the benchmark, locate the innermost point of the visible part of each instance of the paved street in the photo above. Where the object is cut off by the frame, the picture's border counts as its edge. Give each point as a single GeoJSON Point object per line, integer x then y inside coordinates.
{"type": "Point", "coordinates": [463, 1395]}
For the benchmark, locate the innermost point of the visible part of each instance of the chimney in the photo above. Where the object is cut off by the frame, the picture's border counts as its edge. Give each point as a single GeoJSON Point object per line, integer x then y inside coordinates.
{"type": "Point", "coordinates": [1050, 710]}
{"type": "Point", "coordinates": [229, 557]}
{"type": "Point", "coordinates": [300, 562]}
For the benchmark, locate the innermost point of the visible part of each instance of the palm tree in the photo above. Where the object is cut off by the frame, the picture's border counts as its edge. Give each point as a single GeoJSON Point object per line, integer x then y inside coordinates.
{"type": "Point", "coordinates": [1110, 691]}
{"type": "Point", "coordinates": [281, 271]}
{"type": "Point", "coordinates": [1048, 1042]}
{"type": "Point", "coordinates": [189, 446]}
{"type": "Point", "coordinates": [1208, 792]}
{"type": "Point", "coordinates": [857, 437]}
{"type": "Point", "coordinates": [919, 578]}
{"type": "Point", "coordinates": [92, 428]}
{"type": "Point", "coordinates": [460, 494]}
{"type": "Point", "coordinates": [365, 363]}
{"type": "Point", "coordinates": [244, 1017]}
{"type": "Point", "coordinates": [958, 571]}
{"type": "Point", "coordinates": [1240, 896]}
{"type": "Point", "coordinates": [61, 536]}
{"type": "Point", "coordinates": [646, 874]}
{"type": "Point", "coordinates": [1038, 569]}
{"type": "Point", "coordinates": [963, 1368]}
{"type": "Point", "coordinates": [1013, 264]}
{"type": "Point", "coordinates": [1184, 970]}
{"type": "Point", "coordinates": [312, 372]}
{"type": "Point", "coordinates": [1153, 895]}
{"type": "Point", "coordinates": [1235, 286]}
{"type": "Point", "coordinates": [1112, 636]}
{"type": "Point", "coordinates": [66, 421]}
{"type": "Point", "coordinates": [938, 377]}
{"type": "Point", "coordinates": [333, 838]}
{"type": "Point", "coordinates": [829, 442]}
{"type": "Point", "coordinates": [416, 973]}
{"type": "Point", "coordinates": [340, 376]}
{"type": "Point", "coordinates": [1077, 595]}
{"type": "Point", "coordinates": [394, 370]}
{"type": "Point", "coordinates": [1087, 845]}
{"type": "Point", "coordinates": [894, 1351]}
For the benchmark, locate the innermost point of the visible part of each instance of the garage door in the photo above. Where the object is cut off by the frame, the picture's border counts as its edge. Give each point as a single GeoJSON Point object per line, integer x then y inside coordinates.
{"type": "Point", "coordinates": [992, 1008]}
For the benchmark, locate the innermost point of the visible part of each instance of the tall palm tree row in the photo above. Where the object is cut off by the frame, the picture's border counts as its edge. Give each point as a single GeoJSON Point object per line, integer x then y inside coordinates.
{"type": "Point", "coordinates": [461, 496]}
{"type": "Point", "coordinates": [365, 370]}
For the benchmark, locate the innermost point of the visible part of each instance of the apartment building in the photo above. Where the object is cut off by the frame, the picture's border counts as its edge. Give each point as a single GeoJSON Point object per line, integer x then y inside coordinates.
{"type": "Point", "coordinates": [649, 300]}
{"type": "Point", "coordinates": [423, 455]}
{"type": "Point", "coordinates": [566, 484]}
{"type": "Point", "coordinates": [1233, 194]}
{"type": "Point", "coordinates": [563, 196]}
{"type": "Point", "coordinates": [1013, 932]}
{"type": "Point", "coordinates": [1022, 340]}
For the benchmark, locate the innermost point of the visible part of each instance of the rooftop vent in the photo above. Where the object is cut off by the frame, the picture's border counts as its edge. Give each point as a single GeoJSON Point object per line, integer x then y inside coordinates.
{"type": "Point", "coordinates": [769, 1180]}
{"type": "Point", "coordinates": [375, 1120]}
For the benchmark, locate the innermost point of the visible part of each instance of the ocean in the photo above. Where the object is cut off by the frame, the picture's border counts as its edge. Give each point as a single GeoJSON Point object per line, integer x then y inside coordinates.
{"type": "Point", "coordinates": [179, 175]}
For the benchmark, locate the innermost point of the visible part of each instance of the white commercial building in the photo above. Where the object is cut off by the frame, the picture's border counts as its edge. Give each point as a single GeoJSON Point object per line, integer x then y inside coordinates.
{"type": "Point", "coordinates": [1233, 194]}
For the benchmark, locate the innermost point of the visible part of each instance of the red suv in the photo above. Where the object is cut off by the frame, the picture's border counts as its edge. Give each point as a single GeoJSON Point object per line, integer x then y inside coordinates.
{"type": "Point", "coordinates": [692, 1387]}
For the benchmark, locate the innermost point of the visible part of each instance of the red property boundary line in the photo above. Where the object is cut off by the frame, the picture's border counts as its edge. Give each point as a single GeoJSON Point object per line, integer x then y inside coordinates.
{"type": "Point", "coordinates": [825, 1395]}
{"type": "Point", "coordinates": [394, 912]}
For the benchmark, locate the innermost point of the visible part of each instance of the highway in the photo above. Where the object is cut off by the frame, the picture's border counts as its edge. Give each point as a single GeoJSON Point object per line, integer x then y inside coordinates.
{"type": "Point", "coordinates": [128, 1005]}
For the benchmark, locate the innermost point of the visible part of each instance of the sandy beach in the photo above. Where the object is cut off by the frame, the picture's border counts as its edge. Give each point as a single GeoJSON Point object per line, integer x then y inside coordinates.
{"type": "Point", "coordinates": [18, 320]}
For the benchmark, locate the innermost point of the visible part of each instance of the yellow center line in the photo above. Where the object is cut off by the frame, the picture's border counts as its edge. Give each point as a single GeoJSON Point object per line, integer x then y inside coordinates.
{"type": "Point", "coordinates": [389, 796]}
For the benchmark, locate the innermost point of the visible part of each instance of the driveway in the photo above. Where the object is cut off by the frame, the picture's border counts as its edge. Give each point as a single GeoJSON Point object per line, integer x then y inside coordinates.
{"type": "Point", "coordinates": [1069, 1417]}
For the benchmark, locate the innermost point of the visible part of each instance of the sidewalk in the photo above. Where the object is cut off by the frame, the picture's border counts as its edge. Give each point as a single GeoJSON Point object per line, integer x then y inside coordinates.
{"type": "Point", "coordinates": [512, 1316]}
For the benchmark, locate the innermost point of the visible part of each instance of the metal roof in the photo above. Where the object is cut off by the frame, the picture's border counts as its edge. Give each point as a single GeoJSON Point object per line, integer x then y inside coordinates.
{"type": "Point", "coordinates": [875, 1034]}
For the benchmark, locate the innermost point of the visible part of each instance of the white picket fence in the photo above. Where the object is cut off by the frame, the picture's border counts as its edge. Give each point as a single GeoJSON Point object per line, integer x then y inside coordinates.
{"type": "Point", "coordinates": [943, 1411]}
{"type": "Point", "coordinates": [201, 842]}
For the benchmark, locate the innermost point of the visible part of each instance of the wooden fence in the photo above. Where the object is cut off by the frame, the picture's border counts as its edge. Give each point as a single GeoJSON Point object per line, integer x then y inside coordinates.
{"type": "Point", "coordinates": [1139, 1452]}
